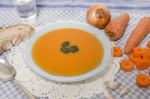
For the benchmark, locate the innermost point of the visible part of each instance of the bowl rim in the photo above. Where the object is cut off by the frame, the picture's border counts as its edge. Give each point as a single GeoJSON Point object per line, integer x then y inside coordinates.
{"type": "Point", "coordinates": [99, 34]}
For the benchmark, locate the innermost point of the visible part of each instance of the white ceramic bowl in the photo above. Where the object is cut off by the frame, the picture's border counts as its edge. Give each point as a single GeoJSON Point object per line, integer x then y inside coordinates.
{"type": "Point", "coordinates": [107, 58]}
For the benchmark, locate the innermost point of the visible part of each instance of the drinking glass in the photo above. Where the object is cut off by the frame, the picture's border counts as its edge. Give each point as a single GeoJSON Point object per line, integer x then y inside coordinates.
{"type": "Point", "coordinates": [26, 9]}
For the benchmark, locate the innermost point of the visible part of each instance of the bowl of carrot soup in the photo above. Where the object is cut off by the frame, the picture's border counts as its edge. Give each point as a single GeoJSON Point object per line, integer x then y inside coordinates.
{"type": "Point", "coordinates": [68, 52]}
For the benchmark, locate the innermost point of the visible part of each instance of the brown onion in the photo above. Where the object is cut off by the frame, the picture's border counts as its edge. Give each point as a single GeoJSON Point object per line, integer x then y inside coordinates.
{"type": "Point", "coordinates": [98, 15]}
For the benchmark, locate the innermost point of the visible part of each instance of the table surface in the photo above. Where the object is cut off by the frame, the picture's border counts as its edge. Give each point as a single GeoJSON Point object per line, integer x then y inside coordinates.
{"type": "Point", "coordinates": [9, 90]}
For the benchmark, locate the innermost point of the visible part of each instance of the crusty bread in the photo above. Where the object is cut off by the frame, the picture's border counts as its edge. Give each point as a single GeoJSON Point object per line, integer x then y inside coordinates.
{"type": "Point", "coordinates": [13, 35]}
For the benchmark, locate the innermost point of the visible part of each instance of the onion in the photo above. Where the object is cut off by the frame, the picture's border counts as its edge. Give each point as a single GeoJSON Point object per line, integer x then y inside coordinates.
{"type": "Point", "coordinates": [98, 15]}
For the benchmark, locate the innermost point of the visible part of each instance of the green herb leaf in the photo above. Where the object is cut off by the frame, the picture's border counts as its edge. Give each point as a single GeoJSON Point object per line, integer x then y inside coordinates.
{"type": "Point", "coordinates": [73, 48]}
{"type": "Point", "coordinates": [64, 50]}
{"type": "Point", "coordinates": [65, 44]}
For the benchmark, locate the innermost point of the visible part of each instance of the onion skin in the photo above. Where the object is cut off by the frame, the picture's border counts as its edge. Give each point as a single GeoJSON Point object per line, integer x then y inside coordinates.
{"type": "Point", "coordinates": [98, 15]}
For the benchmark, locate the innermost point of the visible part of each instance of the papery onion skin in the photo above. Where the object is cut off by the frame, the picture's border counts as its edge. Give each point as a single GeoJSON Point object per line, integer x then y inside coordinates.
{"type": "Point", "coordinates": [98, 15]}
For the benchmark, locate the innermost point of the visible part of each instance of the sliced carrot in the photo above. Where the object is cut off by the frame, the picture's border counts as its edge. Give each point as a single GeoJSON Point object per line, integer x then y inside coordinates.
{"type": "Point", "coordinates": [140, 56]}
{"type": "Point", "coordinates": [142, 80]}
{"type": "Point", "coordinates": [146, 57]}
{"type": "Point", "coordinates": [126, 65]}
{"type": "Point", "coordinates": [135, 60]}
{"type": "Point", "coordinates": [132, 58]}
{"type": "Point", "coordinates": [143, 65]}
{"type": "Point", "coordinates": [117, 52]}
{"type": "Point", "coordinates": [148, 44]}
{"type": "Point", "coordinates": [137, 51]}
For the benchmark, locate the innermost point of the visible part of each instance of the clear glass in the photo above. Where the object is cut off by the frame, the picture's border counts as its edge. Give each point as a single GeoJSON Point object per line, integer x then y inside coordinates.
{"type": "Point", "coordinates": [26, 9]}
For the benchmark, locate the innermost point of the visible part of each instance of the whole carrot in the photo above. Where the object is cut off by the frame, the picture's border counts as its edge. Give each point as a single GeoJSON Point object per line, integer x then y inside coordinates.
{"type": "Point", "coordinates": [138, 34]}
{"type": "Point", "coordinates": [116, 28]}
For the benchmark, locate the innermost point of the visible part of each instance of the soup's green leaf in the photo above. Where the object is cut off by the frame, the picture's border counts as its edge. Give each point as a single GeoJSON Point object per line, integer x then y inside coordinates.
{"type": "Point", "coordinates": [64, 50]}
{"type": "Point", "coordinates": [73, 48]}
{"type": "Point", "coordinates": [65, 44]}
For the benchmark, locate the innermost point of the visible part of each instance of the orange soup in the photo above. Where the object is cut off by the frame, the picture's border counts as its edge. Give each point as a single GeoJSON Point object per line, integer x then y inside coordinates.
{"type": "Point", "coordinates": [47, 53]}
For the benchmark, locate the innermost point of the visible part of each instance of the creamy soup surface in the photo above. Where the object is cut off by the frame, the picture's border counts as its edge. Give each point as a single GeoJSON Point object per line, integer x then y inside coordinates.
{"type": "Point", "coordinates": [47, 54]}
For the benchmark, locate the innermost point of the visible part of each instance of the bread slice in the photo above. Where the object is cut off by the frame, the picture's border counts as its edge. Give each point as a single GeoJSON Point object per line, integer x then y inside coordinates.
{"type": "Point", "coordinates": [13, 35]}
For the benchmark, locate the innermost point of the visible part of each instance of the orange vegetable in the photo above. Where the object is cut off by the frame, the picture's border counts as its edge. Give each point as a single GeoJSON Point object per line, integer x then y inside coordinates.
{"type": "Point", "coordinates": [137, 51]}
{"type": "Point", "coordinates": [134, 59]}
{"type": "Point", "coordinates": [142, 80]}
{"type": "Point", "coordinates": [146, 56]}
{"type": "Point", "coordinates": [148, 44]}
{"type": "Point", "coordinates": [126, 65]}
{"type": "Point", "coordinates": [141, 52]}
{"type": "Point", "coordinates": [116, 28]}
{"type": "Point", "coordinates": [142, 65]}
{"type": "Point", "coordinates": [138, 34]}
{"type": "Point", "coordinates": [141, 57]}
{"type": "Point", "coordinates": [98, 15]}
{"type": "Point", "coordinates": [117, 52]}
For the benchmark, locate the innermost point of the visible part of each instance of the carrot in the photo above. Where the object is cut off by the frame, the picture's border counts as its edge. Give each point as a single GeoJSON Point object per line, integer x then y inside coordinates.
{"type": "Point", "coordinates": [144, 62]}
{"type": "Point", "coordinates": [146, 55]}
{"type": "Point", "coordinates": [137, 51]}
{"type": "Point", "coordinates": [141, 57]}
{"type": "Point", "coordinates": [117, 52]}
{"type": "Point", "coordinates": [126, 65]}
{"type": "Point", "coordinates": [148, 44]}
{"type": "Point", "coordinates": [132, 58]}
{"type": "Point", "coordinates": [142, 80]}
{"type": "Point", "coordinates": [138, 34]}
{"type": "Point", "coordinates": [136, 60]}
{"type": "Point", "coordinates": [143, 65]}
{"type": "Point", "coordinates": [116, 28]}
{"type": "Point", "coordinates": [141, 52]}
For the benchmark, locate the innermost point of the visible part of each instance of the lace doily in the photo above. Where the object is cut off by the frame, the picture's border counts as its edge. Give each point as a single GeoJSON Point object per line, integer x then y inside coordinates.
{"type": "Point", "coordinates": [41, 87]}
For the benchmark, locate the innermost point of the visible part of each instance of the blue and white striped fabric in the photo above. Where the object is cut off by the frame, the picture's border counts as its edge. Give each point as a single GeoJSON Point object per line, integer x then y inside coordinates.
{"type": "Point", "coordinates": [49, 11]}
{"type": "Point", "coordinates": [112, 4]}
